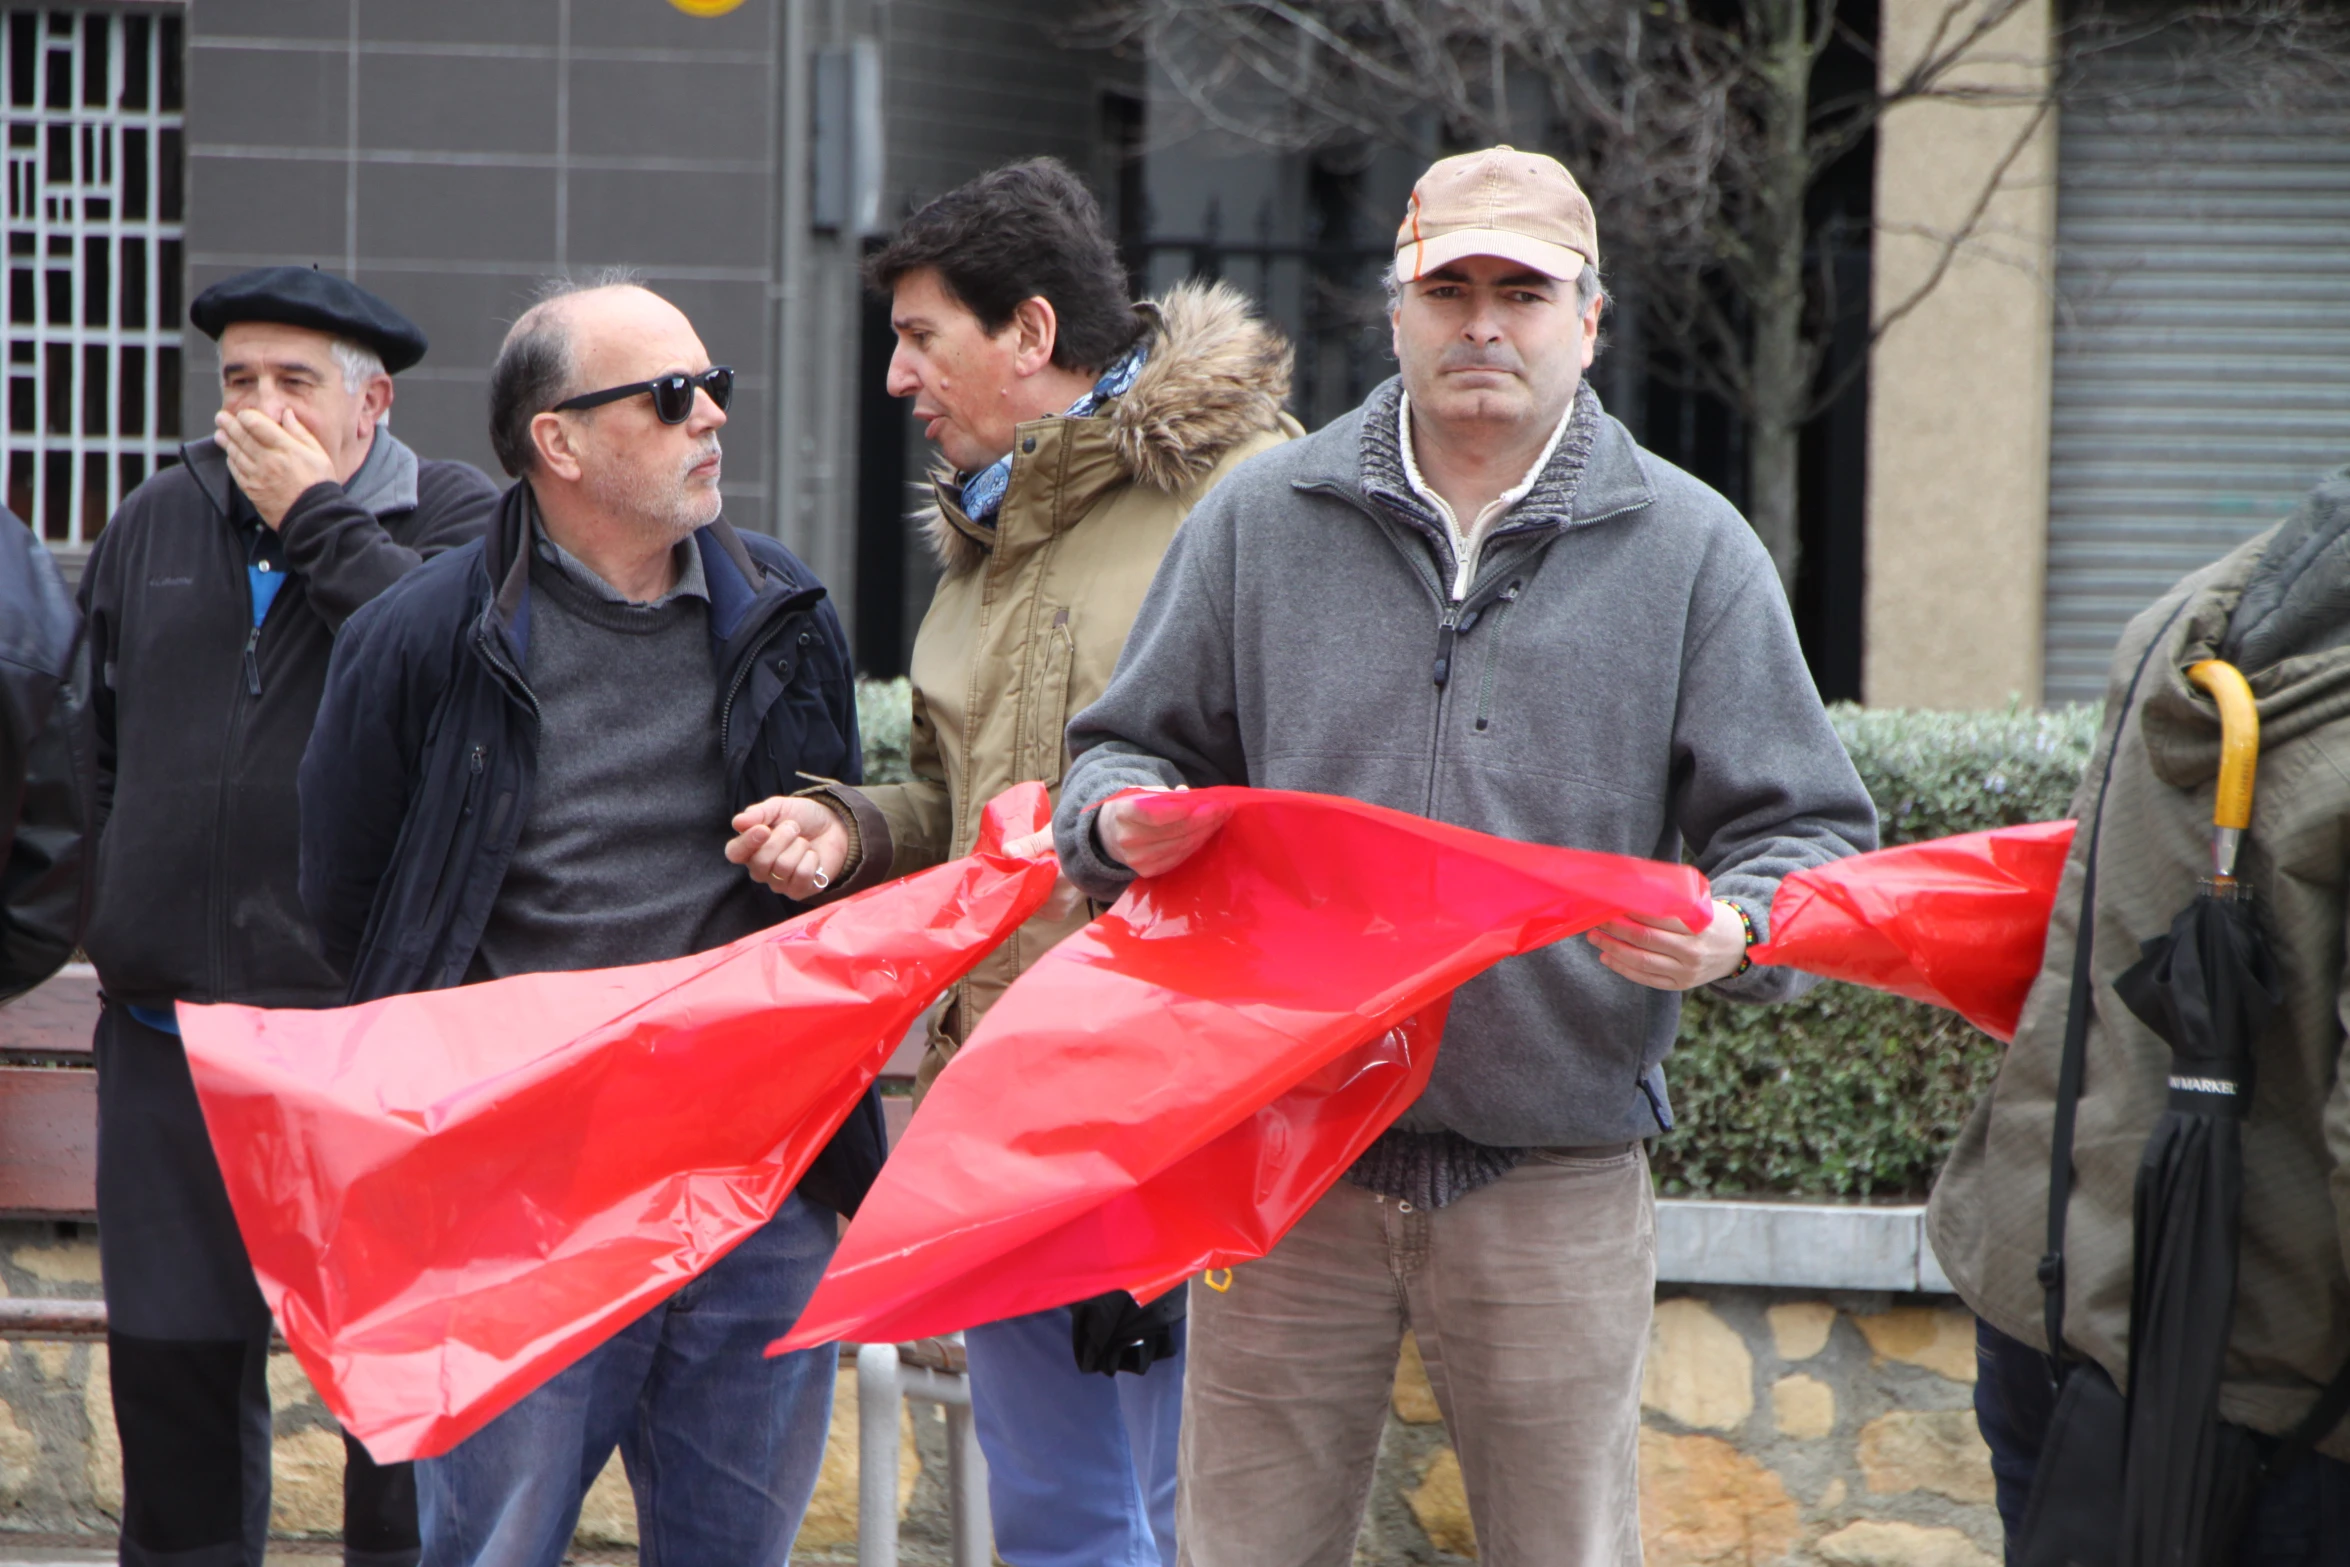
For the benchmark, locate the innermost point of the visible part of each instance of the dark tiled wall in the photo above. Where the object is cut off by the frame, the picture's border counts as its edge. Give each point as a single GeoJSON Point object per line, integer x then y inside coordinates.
{"type": "Point", "coordinates": [977, 83]}
{"type": "Point", "coordinates": [972, 84]}
{"type": "Point", "coordinates": [450, 153]}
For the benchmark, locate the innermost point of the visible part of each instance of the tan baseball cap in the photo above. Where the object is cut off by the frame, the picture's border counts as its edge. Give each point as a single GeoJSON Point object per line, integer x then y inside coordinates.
{"type": "Point", "coordinates": [1521, 206]}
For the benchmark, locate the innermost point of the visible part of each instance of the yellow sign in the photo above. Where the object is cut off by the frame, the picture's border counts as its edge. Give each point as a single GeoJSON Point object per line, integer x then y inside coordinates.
{"type": "Point", "coordinates": [705, 7]}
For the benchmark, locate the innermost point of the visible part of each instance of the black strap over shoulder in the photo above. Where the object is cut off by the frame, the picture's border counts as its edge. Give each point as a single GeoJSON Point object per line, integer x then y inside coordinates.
{"type": "Point", "coordinates": [2068, 1095]}
{"type": "Point", "coordinates": [2076, 1029]}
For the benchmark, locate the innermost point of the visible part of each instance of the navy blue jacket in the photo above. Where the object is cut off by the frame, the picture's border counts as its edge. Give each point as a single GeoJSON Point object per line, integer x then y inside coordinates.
{"type": "Point", "coordinates": [418, 777]}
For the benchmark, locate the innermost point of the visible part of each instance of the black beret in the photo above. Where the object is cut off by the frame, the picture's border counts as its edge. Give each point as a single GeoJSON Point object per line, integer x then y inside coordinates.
{"type": "Point", "coordinates": [305, 296]}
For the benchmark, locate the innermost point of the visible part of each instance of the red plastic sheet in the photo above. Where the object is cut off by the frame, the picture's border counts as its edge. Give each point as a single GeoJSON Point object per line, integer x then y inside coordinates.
{"type": "Point", "coordinates": [1957, 922]}
{"type": "Point", "coordinates": [449, 1197]}
{"type": "Point", "coordinates": [1169, 1089]}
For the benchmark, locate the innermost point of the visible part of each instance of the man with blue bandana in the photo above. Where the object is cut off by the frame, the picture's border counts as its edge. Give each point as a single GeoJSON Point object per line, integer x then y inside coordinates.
{"type": "Point", "coordinates": [1078, 429]}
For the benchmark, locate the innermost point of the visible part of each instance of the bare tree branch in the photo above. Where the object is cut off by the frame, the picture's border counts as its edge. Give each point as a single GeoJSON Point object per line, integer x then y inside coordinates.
{"type": "Point", "coordinates": [1701, 137]}
{"type": "Point", "coordinates": [1948, 245]}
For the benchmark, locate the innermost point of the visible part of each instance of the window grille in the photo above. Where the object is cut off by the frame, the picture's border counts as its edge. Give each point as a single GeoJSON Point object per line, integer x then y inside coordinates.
{"type": "Point", "coordinates": [96, 200]}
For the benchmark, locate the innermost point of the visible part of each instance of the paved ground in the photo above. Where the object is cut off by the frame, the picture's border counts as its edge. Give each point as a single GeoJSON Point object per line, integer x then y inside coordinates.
{"type": "Point", "coordinates": [57, 1550]}
{"type": "Point", "coordinates": [45, 1550]}
{"type": "Point", "coordinates": [40, 1550]}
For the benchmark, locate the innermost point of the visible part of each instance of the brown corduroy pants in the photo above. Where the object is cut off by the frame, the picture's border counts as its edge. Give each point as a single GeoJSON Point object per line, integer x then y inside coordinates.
{"type": "Point", "coordinates": [1531, 1301]}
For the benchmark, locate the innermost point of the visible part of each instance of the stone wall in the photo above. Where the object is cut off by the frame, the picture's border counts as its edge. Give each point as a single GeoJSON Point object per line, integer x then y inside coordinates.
{"type": "Point", "coordinates": [1779, 1426]}
{"type": "Point", "coordinates": [61, 1470]}
{"type": "Point", "coordinates": [1782, 1426]}
{"type": "Point", "coordinates": [1786, 1426]}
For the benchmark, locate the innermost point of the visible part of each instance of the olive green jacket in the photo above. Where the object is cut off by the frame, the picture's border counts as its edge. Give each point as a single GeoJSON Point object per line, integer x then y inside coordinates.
{"type": "Point", "coordinates": [1031, 614]}
{"type": "Point", "coordinates": [1988, 1219]}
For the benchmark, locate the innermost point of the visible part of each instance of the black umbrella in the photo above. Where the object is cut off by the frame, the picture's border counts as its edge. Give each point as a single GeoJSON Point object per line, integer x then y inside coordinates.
{"type": "Point", "coordinates": [2208, 988]}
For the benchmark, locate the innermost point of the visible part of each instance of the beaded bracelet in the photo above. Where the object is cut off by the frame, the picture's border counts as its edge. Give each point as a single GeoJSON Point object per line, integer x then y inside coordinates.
{"type": "Point", "coordinates": [1745, 923]}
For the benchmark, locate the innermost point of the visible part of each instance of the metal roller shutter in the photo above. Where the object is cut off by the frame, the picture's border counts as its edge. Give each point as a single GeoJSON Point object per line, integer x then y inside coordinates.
{"type": "Point", "coordinates": [2202, 371]}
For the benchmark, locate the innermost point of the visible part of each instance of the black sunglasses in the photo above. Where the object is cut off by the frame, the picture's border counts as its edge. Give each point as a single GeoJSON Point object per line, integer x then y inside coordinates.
{"type": "Point", "coordinates": [673, 394]}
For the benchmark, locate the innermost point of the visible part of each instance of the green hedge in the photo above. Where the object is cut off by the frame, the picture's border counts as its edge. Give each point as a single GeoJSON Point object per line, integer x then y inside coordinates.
{"type": "Point", "coordinates": [1845, 1093]}
{"type": "Point", "coordinates": [885, 721]}
{"type": "Point", "coordinates": [1848, 1093]}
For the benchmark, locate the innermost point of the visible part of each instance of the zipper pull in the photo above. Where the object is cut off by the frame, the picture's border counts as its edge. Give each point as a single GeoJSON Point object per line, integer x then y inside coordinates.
{"type": "Point", "coordinates": [252, 663]}
{"type": "Point", "coordinates": [1446, 633]}
{"type": "Point", "coordinates": [1508, 595]}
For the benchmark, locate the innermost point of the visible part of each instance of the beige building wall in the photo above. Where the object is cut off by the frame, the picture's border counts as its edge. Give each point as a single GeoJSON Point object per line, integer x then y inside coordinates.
{"type": "Point", "coordinates": [1959, 381]}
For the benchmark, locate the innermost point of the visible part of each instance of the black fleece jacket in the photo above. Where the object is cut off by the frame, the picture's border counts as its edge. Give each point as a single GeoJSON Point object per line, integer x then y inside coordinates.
{"type": "Point", "coordinates": [45, 764]}
{"type": "Point", "coordinates": [202, 717]}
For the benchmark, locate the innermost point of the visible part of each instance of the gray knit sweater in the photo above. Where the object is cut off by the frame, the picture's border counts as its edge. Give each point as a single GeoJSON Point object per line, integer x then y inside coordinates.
{"type": "Point", "coordinates": [623, 857]}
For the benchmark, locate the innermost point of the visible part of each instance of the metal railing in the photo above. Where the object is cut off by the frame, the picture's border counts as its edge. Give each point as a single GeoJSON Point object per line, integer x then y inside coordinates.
{"type": "Point", "coordinates": [934, 1371]}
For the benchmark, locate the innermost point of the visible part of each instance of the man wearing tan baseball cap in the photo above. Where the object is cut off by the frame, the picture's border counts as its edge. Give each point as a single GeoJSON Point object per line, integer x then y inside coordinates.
{"type": "Point", "coordinates": [1475, 598]}
{"type": "Point", "coordinates": [1517, 206]}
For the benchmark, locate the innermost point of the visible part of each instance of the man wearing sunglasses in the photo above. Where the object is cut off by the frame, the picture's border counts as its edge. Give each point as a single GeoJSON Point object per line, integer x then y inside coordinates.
{"type": "Point", "coordinates": [527, 761]}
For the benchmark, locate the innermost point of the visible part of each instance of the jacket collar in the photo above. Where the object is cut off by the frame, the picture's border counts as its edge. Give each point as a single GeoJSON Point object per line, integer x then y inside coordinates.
{"type": "Point", "coordinates": [1064, 465]}
{"type": "Point", "coordinates": [386, 481]}
{"type": "Point", "coordinates": [948, 519]}
{"type": "Point", "coordinates": [1594, 473]}
{"type": "Point", "coordinates": [1614, 479]}
{"type": "Point", "coordinates": [207, 464]}
{"type": "Point", "coordinates": [2273, 607]}
{"type": "Point", "coordinates": [736, 583]}
{"type": "Point", "coordinates": [2296, 597]}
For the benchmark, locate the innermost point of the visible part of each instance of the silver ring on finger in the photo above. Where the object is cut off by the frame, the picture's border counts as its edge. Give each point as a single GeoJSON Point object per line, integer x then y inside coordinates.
{"type": "Point", "coordinates": [822, 881]}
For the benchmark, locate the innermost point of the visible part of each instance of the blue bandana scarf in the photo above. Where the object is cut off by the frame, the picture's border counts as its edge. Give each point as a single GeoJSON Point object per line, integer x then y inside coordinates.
{"type": "Point", "coordinates": [983, 492]}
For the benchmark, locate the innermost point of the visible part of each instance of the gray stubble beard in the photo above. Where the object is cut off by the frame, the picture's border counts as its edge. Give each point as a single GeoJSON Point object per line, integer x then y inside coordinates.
{"type": "Point", "coordinates": [671, 507]}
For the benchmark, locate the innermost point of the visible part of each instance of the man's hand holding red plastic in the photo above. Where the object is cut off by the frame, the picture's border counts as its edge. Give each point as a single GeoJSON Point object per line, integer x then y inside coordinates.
{"type": "Point", "coordinates": [1152, 832]}
{"type": "Point", "coordinates": [1667, 955]}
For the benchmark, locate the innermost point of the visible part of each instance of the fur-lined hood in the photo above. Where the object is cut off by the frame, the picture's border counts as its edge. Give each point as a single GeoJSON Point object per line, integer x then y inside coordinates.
{"type": "Point", "coordinates": [1216, 376]}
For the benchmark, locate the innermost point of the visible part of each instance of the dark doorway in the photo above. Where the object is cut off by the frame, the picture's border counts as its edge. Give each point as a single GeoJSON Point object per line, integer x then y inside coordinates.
{"type": "Point", "coordinates": [1699, 433]}
{"type": "Point", "coordinates": [882, 630]}
{"type": "Point", "coordinates": [1832, 518]}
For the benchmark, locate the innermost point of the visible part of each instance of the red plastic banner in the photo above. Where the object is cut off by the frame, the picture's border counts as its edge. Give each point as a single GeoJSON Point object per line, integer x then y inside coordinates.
{"type": "Point", "coordinates": [1169, 1089]}
{"type": "Point", "coordinates": [1956, 922]}
{"type": "Point", "coordinates": [449, 1197]}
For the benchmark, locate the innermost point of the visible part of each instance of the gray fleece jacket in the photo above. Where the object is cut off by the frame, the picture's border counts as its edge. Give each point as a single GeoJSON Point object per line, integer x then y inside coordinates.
{"type": "Point", "coordinates": [1622, 675]}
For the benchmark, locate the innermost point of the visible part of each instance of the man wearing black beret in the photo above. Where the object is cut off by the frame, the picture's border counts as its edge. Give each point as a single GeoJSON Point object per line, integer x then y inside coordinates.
{"type": "Point", "coordinates": [213, 599]}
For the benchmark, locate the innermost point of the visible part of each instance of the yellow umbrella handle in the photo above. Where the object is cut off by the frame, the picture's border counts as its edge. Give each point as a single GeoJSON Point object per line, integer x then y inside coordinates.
{"type": "Point", "coordinates": [2239, 756]}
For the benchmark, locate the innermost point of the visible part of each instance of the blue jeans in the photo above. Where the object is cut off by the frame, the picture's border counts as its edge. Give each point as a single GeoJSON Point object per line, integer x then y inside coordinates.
{"type": "Point", "coordinates": [1080, 1467]}
{"type": "Point", "coordinates": [721, 1445]}
{"type": "Point", "coordinates": [2299, 1519]}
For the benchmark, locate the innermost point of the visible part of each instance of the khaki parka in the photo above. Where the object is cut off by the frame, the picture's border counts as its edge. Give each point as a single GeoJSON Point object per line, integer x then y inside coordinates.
{"type": "Point", "coordinates": [1988, 1217]}
{"type": "Point", "coordinates": [1032, 612]}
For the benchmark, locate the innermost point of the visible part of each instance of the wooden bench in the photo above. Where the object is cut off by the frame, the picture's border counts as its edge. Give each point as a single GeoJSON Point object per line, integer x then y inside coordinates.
{"type": "Point", "coordinates": [49, 1101]}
